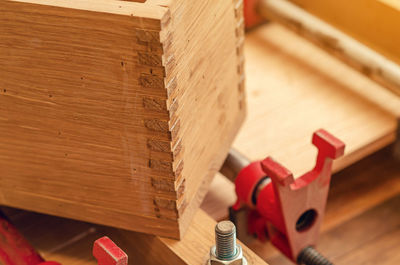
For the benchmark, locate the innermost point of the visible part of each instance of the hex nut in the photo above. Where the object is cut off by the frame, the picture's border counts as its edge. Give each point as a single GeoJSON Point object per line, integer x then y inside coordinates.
{"type": "Point", "coordinates": [239, 259]}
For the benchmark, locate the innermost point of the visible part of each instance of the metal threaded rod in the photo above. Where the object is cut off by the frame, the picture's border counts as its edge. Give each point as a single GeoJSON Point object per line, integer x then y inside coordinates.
{"type": "Point", "coordinates": [225, 240]}
{"type": "Point", "coordinates": [310, 256]}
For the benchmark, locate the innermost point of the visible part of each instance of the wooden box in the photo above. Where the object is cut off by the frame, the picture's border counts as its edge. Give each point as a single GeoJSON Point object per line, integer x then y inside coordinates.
{"type": "Point", "coordinates": [115, 112]}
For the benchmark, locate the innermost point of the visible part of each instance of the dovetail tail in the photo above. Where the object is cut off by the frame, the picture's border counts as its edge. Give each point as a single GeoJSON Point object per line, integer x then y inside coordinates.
{"type": "Point", "coordinates": [238, 4]}
{"type": "Point", "coordinates": [151, 81]}
{"type": "Point", "coordinates": [241, 104]}
{"type": "Point", "coordinates": [149, 59]}
{"type": "Point", "coordinates": [182, 206]}
{"type": "Point", "coordinates": [169, 64]}
{"type": "Point", "coordinates": [156, 125]}
{"type": "Point", "coordinates": [157, 104]}
{"type": "Point", "coordinates": [145, 36]}
{"type": "Point", "coordinates": [167, 43]}
{"type": "Point", "coordinates": [165, 209]}
{"type": "Point", "coordinates": [171, 86]}
{"type": "Point", "coordinates": [160, 165]}
{"type": "Point", "coordinates": [240, 42]}
{"type": "Point", "coordinates": [239, 49]}
{"type": "Point", "coordinates": [240, 28]}
{"type": "Point", "coordinates": [241, 84]}
{"type": "Point", "coordinates": [158, 145]}
{"type": "Point", "coordinates": [175, 131]}
{"type": "Point", "coordinates": [240, 67]}
{"type": "Point", "coordinates": [181, 189]}
{"type": "Point", "coordinates": [173, 108]}
{"type": "Point", "coordinates": [164, 203]}
{"type": "Point", "coordinates": [166, 19]}
{"type": "Point", "coordinates": [163, 185]}
{"type": "Point", "coordinates": [179, 168]}
{"type": "Point", "coordinates": [177, 149]}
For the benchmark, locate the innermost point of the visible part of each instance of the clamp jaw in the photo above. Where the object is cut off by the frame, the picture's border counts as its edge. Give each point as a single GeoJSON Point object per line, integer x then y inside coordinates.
{"type": "Point", "coordinates": [288, 210]}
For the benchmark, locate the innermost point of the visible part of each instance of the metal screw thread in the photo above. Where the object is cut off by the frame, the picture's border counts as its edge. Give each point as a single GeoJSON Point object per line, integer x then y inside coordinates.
{"type": "Point", "coordinates": [225, 240]}
{"type": "Point", "coordinates": [310, 256]}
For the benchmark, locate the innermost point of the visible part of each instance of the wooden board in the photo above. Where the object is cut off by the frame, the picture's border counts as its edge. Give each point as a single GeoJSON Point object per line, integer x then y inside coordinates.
{"type": "Point", "coordinates": [121, 110]}
{"type": "Point", "coordinates": [294, 88]}
{"type": "Point", "coordinates": [349, 50]}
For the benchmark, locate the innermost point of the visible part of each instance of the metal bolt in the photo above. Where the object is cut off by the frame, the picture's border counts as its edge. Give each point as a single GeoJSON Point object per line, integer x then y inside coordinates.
{"type": "Point", "coordinates": [310, 256]}
{"type": "Point", "coordinates": [226, 251]}
{"type": "Point", "coordinates": [225, 240]}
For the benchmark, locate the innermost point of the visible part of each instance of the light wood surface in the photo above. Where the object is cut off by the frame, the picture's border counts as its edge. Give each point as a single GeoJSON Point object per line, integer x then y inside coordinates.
{"type": "Point", "coordinates": [385, 71]}
{"type": "Point", "coordinates": [294, 88]}
{"type": "Point", "coordinates": [119, 110]}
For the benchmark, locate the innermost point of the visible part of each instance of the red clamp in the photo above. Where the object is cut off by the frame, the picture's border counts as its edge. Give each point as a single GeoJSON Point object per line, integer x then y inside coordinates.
{"type": "Point", "coordinates": [15, 250]}
{"type": "Point", "coordinates": [108, 253]}
{"type": "Point", "coordinates": [289, 210]}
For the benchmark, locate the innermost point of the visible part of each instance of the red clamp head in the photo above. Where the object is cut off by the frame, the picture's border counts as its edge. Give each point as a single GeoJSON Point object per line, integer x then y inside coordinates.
{"type": "Point", "coordinates": [108, 253]}
{"type": "Point", "coordinates": [251, 17]}
{"type": "Point", "coordinates": [302, 201]}
{"type": "Point", "coordinates": [291, 210]}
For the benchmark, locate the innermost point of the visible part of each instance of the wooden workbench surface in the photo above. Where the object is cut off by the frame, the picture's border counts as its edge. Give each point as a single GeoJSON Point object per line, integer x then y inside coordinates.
{"type": "Point", "coordinates": [293, 89]}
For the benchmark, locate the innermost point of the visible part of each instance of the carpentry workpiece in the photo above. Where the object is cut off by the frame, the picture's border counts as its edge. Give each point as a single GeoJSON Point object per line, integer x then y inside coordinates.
{"type": "Point", "coordinates": [294, 88]}
{"type": "Point", "coordinates": [117, 112]}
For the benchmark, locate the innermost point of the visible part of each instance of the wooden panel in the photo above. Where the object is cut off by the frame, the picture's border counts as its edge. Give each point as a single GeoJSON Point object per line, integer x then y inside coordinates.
{"type": "Point", "coordinates": [105, 108]}
{"type": "Point", "coordinates": [294, 88]}
{"type": "Point", "coordinates": [347, 49]}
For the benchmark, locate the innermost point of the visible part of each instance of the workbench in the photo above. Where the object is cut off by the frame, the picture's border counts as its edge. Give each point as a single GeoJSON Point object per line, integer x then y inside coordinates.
{"type": "Point", "coordinates": [293, 89]}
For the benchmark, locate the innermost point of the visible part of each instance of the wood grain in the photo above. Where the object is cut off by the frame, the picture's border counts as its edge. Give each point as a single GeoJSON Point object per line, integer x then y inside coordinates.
{"type": "Point", "coordinates": [294, 88]}
{"type": "Point", "coordinates": [349, 50]}
{"type": "Point", "coordinates": [117, 112]}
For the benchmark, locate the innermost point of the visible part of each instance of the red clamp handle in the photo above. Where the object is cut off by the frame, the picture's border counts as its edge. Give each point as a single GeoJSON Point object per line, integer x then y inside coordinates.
{"type": "Point", "coordinates": [108, 253]}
